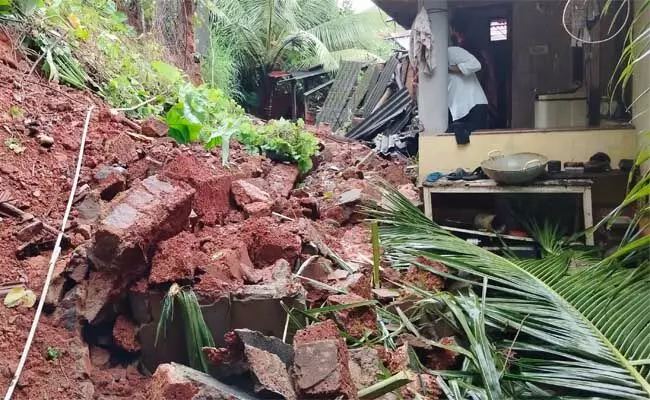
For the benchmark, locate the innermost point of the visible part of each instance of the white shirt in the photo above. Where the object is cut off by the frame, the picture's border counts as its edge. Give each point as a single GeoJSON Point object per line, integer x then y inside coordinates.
{"type": "Point", "coordinates": [464, 89]}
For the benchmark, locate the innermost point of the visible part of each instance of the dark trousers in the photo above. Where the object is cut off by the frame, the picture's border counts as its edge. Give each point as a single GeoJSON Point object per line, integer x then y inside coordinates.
{"type": "Point", "coordinates": [477, 118]}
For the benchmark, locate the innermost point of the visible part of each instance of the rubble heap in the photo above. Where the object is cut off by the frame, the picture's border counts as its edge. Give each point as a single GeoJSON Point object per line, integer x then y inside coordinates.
{"type": "Point", "coordinates": [149, 213]}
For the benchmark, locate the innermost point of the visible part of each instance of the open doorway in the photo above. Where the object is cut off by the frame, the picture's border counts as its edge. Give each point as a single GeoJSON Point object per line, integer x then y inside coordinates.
{"type": "Point", "coordinates": [487, 35]}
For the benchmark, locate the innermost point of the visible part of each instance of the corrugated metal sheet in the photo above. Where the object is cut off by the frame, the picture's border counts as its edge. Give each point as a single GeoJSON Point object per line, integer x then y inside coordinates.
{"type": "Point", "coordinates": [376, 92]}
{"type": "Point", "coordinates": [400, 103]}
{"type": "Point", "coordinates": [339, 94]}
{"type": "Point", "coordinates": [368, 80]}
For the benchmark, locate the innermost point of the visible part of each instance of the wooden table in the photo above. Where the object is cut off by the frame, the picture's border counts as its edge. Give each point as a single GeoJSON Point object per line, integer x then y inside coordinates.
{"type": "Point", "coordinates": [558, 186]}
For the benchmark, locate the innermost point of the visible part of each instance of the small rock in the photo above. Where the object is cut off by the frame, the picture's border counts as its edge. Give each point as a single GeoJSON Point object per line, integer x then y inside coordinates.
{"type": "Point", "coordinates": [84, 230]}
{"type": "Point", "coordinates": [246, 192]}
{"type": "Point", "coordinates": [385, 294]}
{"type": "Point", "coordinates": [90, 208]}
{"type": "Point", "coordinates": [257, 209]}
{"type": "Point", "coordinates": [351, 196]}
{"type": "Point", "coordinates": [36, 193]}
{"type": "Point", "coordinates": [87, 390]}
{"type": "Point", "coordinates": [106, 171]}
{"type": "Point", "coordinates": [153, 127]}
{"type": "Point", "coordinates": [99, 357]}
{"type": "Point", "coordinates": [8, 169]}
{"type": "Point", "coordinates": [45, 140]}
{"type": "Point", "coordinates": [282, 178]}
{"type": "Point", "coordinates": [350, 173]}
{"type": "Point", "coordinates": [125, 335]}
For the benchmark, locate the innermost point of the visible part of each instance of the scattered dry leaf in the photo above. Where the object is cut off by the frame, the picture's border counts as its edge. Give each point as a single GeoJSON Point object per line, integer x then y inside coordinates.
{"type": "Point", "coordinates": [20, 296]}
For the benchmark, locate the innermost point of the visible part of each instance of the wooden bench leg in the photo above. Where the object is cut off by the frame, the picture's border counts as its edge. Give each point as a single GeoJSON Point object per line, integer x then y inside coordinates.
{"type": "Point", "coordinates": [587, 207]}
{"type": "Point", "coordinates": [428, 207]}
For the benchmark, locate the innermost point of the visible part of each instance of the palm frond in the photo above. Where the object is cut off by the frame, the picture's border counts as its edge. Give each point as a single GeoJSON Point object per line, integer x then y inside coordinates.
{"type": "Point", "coordinates": [584, 333]}
{"type": "Point", "coordinates": [350, 31]}
{"type": "Point", "coordinates": [197, 333]}
{"type": "Point", "coordinates": [356, 55]}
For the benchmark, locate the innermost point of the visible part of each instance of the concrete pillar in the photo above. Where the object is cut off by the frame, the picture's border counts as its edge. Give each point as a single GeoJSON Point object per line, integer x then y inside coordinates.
{"type": "Point", "coordinates": [432, 90]}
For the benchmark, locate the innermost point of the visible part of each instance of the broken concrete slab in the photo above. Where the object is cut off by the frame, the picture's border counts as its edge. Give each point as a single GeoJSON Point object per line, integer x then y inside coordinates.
{"type": "Point", "coordinates": [231, 360]}
{"type": "Point", "coordinates": [259, 307]}
{"type": "Point", "coordinates": [178, 382]}
{"type": "Point", "coordinates": [270, 344]}
{"type": "Point", "coordinates": [385, 295]}
{"type": "Point", "coordinates": [321, 365]}
{"type": "Point", "coordinates": [152, 211]}
{"type": "Point", "coordinates": [170, 347]}
{"type": "Point", "coordinates": [270, 372]}
{"type": "Point", "coordinates": [364, 367]}
{"type": "Point", "coordinates": [216, 314]}
{"type": "Point", "coordinates": [319, 371]}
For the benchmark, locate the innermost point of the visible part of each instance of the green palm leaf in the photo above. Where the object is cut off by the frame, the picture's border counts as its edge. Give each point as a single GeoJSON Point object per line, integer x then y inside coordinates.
{"type": "Point", "coordinates": [584, 333]}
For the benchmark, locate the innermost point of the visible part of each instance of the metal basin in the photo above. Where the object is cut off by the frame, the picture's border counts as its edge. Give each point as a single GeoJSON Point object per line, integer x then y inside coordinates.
{"type": "Point", "coordinates": [514, 169]}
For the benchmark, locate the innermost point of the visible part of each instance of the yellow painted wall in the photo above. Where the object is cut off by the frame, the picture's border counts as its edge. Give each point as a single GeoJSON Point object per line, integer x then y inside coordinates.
{"type": "Point", "coordinates": [442, 154]}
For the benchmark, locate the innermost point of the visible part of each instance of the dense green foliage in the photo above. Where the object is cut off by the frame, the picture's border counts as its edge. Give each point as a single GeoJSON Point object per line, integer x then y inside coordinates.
{"type": "Point", "coordinates": [209, 116]}
{"type": "Point", "coordinates": [88, 44]}
{"type": "Point", "coordinates": [206, 115]}
{"type": "Point", "coordinates": [282, 35]}
{"type": "Point", "coordinates": [283, 141]}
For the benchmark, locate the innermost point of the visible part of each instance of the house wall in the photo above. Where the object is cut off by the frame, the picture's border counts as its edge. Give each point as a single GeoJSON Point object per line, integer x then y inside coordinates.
{"type": "Point", "coordinates": [442, 154]}
{"type": "Point", "coordinates": [541, 55]}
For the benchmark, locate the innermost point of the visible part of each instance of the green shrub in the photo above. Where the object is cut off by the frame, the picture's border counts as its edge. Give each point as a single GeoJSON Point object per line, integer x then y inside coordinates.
{"type": "Point", "coordinates": [209, 116]}
{"type": "Point", "coordinates": [284, 141]}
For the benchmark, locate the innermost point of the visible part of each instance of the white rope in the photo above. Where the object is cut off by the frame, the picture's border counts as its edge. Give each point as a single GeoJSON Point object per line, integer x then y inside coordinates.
{"type": "Point", "coordinates": [607, 39]}
{"type": "Point", "coordinates": [55, 256]}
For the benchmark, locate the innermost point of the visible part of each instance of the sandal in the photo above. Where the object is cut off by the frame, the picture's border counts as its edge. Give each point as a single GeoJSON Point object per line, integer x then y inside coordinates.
{"type": "Point", "coordinates": [457, 175]}
{"type": "Point", "coordinates": [476, 175]}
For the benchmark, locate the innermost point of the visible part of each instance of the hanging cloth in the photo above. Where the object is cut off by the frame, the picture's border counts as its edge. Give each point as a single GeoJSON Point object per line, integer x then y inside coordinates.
{"type": "Point", "coordinates": [421, 43]}
{"type": "Point", "coordinates": [582, 16]}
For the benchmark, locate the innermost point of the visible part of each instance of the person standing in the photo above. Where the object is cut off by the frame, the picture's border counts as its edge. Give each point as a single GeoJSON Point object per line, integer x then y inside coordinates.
{"type": "Point", "coordinates": [468, 104]}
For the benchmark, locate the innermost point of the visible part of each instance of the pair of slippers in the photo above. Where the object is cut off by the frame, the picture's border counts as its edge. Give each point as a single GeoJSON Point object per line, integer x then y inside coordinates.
{"type": "Point", "coordinates": [461, 174]}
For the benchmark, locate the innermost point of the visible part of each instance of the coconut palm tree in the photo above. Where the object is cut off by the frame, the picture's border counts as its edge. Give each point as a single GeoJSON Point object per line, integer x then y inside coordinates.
{"type": "Point", "coordinates": [267, 35]}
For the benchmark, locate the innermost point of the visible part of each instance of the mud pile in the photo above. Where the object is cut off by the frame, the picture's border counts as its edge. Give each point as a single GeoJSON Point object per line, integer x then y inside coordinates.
{"type": "Point", "coordinates": [149, 213]}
